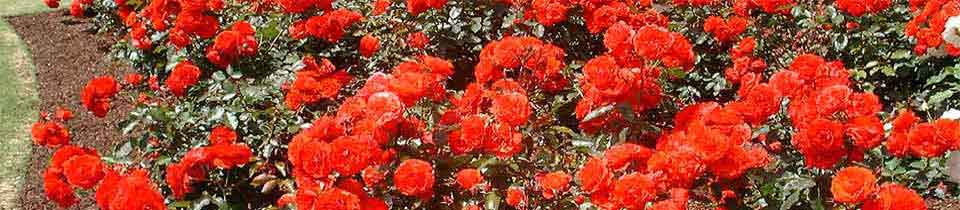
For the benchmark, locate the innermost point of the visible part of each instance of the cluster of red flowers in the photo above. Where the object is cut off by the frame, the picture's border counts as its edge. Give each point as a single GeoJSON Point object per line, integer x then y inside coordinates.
{"type": "Point", "coordinates": [826, 112]}
{"type": "Point", "coordinates": [743, 7]}
{"type": "Point", "coordinates": [418, 40]}
{"type": "Point", "coordinates": [746, 67]}
{"type": "Point", "coordinates": [236, 41]}
{"type": "Point", "coordinates": [641, 45]}
{"type": "Point", "coordinates": [929, 22]}
{"type": "Point", "coordinates": [330, 26]}
{"type": "Point", "coordinates": [183, 76]}
{"type": "Point", "coordinates": [315, 82]}
{"type": "Point", "coordinates": [605, 83]}
{"type": "Point", "coordinates": [76, 7]}
{"type": "Point", "coordinates": [489, 119]}
{"type": "Point", "coordinates": [548, 12]}
{"type": "Point", "coordinates": [49, 131]}
{"type": "Point", "coordinates": [707, 138]}
{"type": "Point", "coordinates": [193, 19]}
{"type": "Point", "coordinates": [542, 62]}
{"type": "Point", "coordinates": [300, 6]}
{"type": "Point", "coordinates": [415, 7]}
{"type": "Point", "coordinates": [725, 30]}
{"type": "Point", "coordinates": [336, 148]}
{"type": "Point", "coordinates": [626, 76]}
{"type": "Point", "coordinates": [856, 185]}
{"type": "Point", "coordinates": [98, 93]}
{"type": "Point", "coordinates": [73, 166]}
{"type": "Point", "coordinates": [929, 139]}
{"type": "Point", "coordinates": [858, 8]}
{"type": "Point", "coordinates": [223, 152]}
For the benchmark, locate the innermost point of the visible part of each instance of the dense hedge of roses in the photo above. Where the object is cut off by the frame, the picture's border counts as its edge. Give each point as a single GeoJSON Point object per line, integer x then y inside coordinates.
{"type": "Point", "coordinates": [511, 104]}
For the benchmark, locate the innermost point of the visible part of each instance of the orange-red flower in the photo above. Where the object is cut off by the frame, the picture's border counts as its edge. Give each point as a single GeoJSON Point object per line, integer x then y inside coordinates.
{"type": "Point", "coordinates": [892, 196]}
{"type": "Point", "coordinates": [553, 184]}
{"type": "Point", "coordinates": [58, 190]}
{"type": "Point", "coordinates": [369, 45]}
{"type": "Point", "coordinates": [222, 135]}
{"type": "Point", "coordinates": [183, 76]}
{"type": "Point", "coordinates": [595, 176]}
{"type": "Point", "coordinates": [132, 191]}
{"type": "Point", "coordinates": [516, 197]}
{"type": "Point", "coordinates": [725, 30]}
{"type": "Point", "coordinates": [634, 190]}
{"type": "Point", "coordinates": [415, 7]}
{"type": "Point", "coordinates": [230, 45]}
{"type": "Point", "coordinates": [315, 82]}
{"type": "Point", "coordinates": [330, 26]}
{"type": "Point", "coordinates": [49, 133]}
{"type": "Point", "coordinates": [468, 179]}
{"type": "Point", "coordinates": [853, 185]}
{"type": "Point", "coordinates": [858, 8]}
{"type": "Point", "coordinates": [83, 171]}
{"type": "Point", "coordinates": [418, 40]}
{"type": "Point", "coordinates": [97, 94]}
{"type": "Point", "coordinates": [414, 178]}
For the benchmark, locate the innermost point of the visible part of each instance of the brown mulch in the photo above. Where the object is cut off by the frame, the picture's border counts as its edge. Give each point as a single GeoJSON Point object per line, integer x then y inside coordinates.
{"type": "Point", "coordinates": [67, 54]}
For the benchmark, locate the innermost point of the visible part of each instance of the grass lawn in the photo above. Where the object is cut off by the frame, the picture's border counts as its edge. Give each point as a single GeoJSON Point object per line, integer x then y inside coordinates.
{"type": "Point", "coordinates": [18, 100]}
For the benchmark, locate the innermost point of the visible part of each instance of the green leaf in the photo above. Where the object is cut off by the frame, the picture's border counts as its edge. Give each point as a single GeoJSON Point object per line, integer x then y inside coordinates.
{"type": "Point", "coordinates": [492, 201]}
{"type": "Point", "coordinates": [939, 97]}
{"type": "Point", "coordinates": [598, 112]}
{"type": "Point", "coordinates": [790, 201]}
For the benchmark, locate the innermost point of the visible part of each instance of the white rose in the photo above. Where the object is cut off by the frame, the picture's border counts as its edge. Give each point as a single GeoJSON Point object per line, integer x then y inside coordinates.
{"type": "Point", "coordinates": [951, 32]}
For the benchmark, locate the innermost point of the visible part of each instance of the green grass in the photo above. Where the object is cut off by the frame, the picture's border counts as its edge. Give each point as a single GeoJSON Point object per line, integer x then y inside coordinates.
{"type": "Point", "coordinates": [18, 104]}
{"type": "Point", "coordinates": [19, 7]}
{"type": "Point", "coordinates": [18, 101]}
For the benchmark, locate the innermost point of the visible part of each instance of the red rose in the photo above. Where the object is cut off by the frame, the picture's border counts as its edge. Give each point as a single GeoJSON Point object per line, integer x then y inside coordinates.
{"type": "Point", "coordinates": [83, 171]}
{"type": "Point", "coordinates": [512, 109]}
{"type": "Point", "coordinates": [415, 7]}
{"type": "Point", "coordinates": [595, 176]}
{"type": "Point", "coordinates": [134, 79]}
{"type": "Point", "coordinates": [414, 178]}
{"type": "Point", "coordinates": [516, 197]}
{"type": "Point", "coordinates": [230, 45]}
{"type": "Point", "coordinates": [227, 156]}
{"type": "Point", "coordinates": [418, 40]}
{"type": "Point", "coordinates": [621, 156]}
{"type": "Point", "coordinates": [725, 30]}
{"type": "Point", "coordinates": [315, 82]}
{"type": "Point", "coordinates": [468, 179]}
{"type": "Point", "coordinates": [47, 133]}
{"type": "Point", "coordinates": [634, 190]}
{"type": "Point", "coordinates": [183, 76]}
{"type": "Point", "coordinates": [353, 154]}
{"type": "Point", "coordinates": [222, 135]}
{"type": "Point", "coordinates": [369, 45]}
{"type": "Point", "coordinates": [553, 184]}
{"type": "Point", "coordinates": [380, 6]}
{"type": "Point", "coordinates": [853, 185]}
{"type": "Point", "coordinates": [135, 191]}
{"type": "Point", "coordinates": [97, 94]}
{"type": "Point", "coordinates": [895, 197]}
{"type": "Point", "coordinates": [58, 190]}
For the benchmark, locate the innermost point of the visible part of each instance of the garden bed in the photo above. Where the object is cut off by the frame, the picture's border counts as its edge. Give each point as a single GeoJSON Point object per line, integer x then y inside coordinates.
{"type": "Point", "coordinates": [67, 54]}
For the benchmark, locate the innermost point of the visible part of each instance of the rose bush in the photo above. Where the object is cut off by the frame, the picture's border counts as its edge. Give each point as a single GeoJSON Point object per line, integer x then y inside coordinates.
{"type": "Point", "coordinates": [519, 104]}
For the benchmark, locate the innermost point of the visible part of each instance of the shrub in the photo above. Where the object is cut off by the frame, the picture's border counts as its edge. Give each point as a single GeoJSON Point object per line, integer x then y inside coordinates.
{"type": "Point", "coordinates": [543, 104]}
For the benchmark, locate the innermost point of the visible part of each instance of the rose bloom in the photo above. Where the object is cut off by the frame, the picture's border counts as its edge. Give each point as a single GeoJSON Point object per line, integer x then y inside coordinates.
{"type": "Point", "coordinates": [184, 75]}
{"type": "Point", "coordinates": [468, 179]}
{"type": "Point", "coordinates": [414, 178]}
{"type": "Point", "coordinates": [222, 135]}
{"type": "Point", "coordinates": [84, 171]}
{"type": "Point", "coordinates": [369, 45]}
{"type": "Point", "coordinates": [554, 183]}
{"type": "Point", "coordinates": [50, 134]}
{"type": "Point", "coordinates": [893, 196]}
{"type": "Point", "coordinates": [594, 175]}
{"type": "Point", "coordinates": [418, 40]}
{"type": "Point", "coordinates": [516, 197]}
{"type": "Point", "coordinates": [57, 190]}
{"type": "Point", "coordinates": [853, 185]}
{"type": "Point", "coordinates": [97, 94]}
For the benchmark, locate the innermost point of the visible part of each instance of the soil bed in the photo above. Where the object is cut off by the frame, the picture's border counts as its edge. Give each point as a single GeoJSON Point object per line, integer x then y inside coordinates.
{"type": "Point", "coordinates": [67, 55]}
